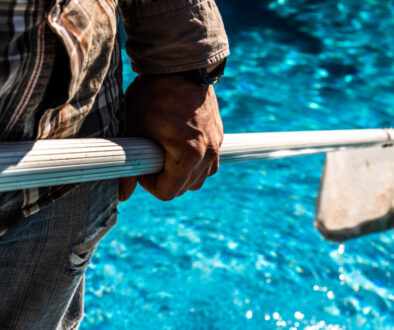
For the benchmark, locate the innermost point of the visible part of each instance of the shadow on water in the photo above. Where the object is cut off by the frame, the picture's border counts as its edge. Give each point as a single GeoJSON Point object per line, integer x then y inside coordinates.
{"type": "Point", "coordinates": [251, 14]}
{"type": "Point", "coordinates": [290, 31]}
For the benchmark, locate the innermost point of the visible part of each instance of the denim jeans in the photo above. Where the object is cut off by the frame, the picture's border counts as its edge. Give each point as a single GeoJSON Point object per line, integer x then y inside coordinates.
{"type": "Point", "coordinates": [43, 257]}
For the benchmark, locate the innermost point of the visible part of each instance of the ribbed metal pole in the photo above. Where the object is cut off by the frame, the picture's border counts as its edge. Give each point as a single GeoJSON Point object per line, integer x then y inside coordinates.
{"type": "Point", "coordinates": [52, 162]}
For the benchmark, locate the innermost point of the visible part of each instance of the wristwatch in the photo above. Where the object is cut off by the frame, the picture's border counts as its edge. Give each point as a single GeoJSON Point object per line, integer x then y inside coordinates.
{"type": "Point", "coordinates": [205, 76]}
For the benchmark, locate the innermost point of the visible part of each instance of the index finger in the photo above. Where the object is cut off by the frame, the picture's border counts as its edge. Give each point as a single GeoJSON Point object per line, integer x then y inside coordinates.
{"type": "Point", "coordinates": [167, 184]}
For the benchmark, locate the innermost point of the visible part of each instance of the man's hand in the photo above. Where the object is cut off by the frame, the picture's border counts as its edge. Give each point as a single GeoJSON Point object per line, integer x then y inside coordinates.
{"type": "Point", "coordinates": [184, 119]}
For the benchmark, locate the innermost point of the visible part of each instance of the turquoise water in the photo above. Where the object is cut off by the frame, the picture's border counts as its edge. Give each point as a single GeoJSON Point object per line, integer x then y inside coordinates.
{"type": "Point", "coordinates": [242, 253]}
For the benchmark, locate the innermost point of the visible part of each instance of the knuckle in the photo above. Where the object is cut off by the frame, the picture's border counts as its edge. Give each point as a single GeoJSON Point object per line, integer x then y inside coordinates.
{"type": "Point", "coordinates": [211, 153]}
{"type": "Point", "coordinates": [221, 138]}
{"type": "Point", "coordinates": [197, 186]}
{"type": "Point", "coordinates": [165, 197]}
{"type": "Point", "coordinates": [193, 153]}
{"type": "Point", "coordinates": [168, 191]}
{"type": "Point", "coordinates": [214, 168]}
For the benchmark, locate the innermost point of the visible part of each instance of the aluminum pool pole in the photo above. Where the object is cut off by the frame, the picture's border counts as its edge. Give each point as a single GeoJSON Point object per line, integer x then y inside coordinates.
{"type": "Point", "coordinates": [41, 163]}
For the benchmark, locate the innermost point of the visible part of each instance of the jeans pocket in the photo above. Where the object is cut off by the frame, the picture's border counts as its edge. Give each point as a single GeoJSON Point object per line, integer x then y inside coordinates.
{"type": "Point", "coordinates": [81, 254]}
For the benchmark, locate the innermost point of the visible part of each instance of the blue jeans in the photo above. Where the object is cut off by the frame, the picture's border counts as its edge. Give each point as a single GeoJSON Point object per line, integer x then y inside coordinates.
{"type": "Point", "coordinates": [43, 257]}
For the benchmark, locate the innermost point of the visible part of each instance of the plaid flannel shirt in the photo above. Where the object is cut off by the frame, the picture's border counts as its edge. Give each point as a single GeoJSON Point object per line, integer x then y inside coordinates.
{"type": "Point", "coordinates": [60, 64]}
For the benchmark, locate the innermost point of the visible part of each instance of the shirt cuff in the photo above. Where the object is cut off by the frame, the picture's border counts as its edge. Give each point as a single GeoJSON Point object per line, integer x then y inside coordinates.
{"type": "Point", "coordinates": [173, 35]}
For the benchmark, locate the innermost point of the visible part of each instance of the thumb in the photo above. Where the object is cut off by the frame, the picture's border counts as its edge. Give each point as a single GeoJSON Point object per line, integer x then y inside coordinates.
{"type": "Point", "coordinates": [126, 187]}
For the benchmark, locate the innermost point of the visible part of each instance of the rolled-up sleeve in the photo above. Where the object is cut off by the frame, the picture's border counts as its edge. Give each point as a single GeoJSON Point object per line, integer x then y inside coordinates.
{"type": "Point", "coordinates": [167, 36]}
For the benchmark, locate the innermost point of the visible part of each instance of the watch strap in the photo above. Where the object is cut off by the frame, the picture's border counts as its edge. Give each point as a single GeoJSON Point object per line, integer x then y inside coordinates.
{"type": "Point", "coordinates": [203, 77]}
{"type": "Point", "coordinates": [199, 76]}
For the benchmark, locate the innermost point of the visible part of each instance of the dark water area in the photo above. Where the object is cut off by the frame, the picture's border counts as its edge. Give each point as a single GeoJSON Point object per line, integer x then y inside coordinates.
{"type": "Point", "coordinates": [257, 14]}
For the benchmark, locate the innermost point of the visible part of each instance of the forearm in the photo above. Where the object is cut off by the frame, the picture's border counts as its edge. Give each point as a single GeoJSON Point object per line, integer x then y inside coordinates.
{"type": "Point", "coordinates": [168, 36]}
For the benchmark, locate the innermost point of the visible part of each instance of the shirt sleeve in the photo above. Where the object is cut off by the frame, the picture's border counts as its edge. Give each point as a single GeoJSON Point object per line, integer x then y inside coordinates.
{"type": "Point", "coordinates": [167, 36]}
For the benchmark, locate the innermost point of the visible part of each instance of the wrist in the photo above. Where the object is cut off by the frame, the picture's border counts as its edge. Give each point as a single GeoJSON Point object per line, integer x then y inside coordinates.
{"type": "Point", "coordinates": [207, 76]}
{"type": "Point", "coordinates": [203, 76]}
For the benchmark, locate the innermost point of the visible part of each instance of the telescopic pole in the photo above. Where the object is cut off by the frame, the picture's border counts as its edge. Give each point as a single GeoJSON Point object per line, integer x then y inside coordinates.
{"type": "Point", "coordinates": [41, 163]}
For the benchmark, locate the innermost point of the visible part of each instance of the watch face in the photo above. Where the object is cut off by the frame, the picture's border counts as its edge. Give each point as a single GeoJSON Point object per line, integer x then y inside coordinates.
{"type": "Point", "coordinates": [203, 77]}
{"type": "Point", "coordinates": [214, 76]}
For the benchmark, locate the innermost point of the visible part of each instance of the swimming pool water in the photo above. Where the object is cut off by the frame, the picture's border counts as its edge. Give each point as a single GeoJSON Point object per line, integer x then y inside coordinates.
{"type": "Point", "coordinates": [242, 253]}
